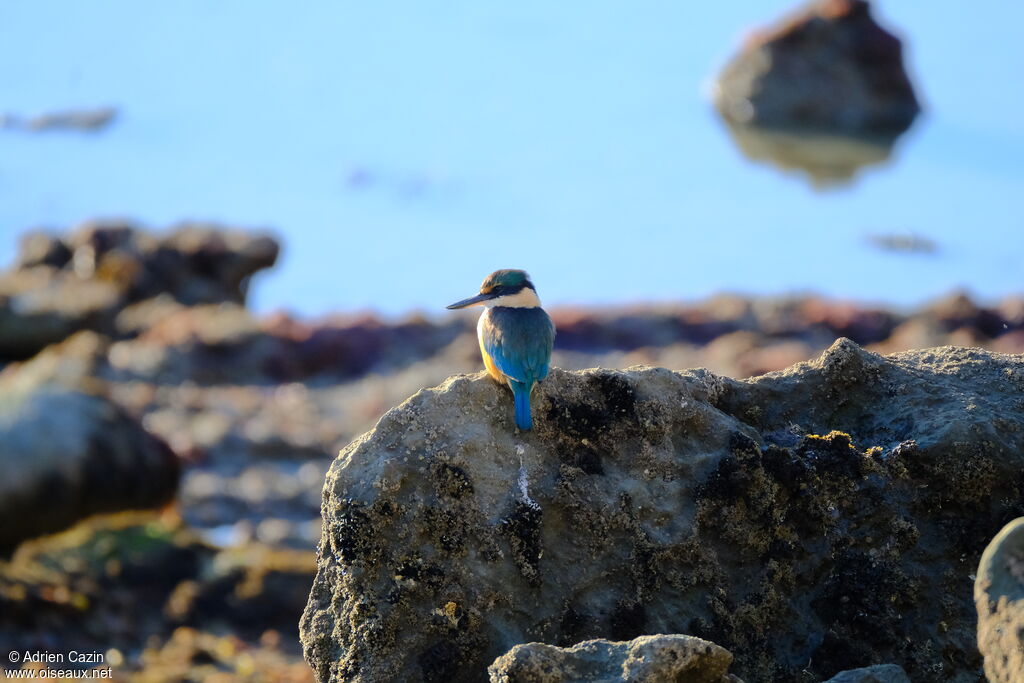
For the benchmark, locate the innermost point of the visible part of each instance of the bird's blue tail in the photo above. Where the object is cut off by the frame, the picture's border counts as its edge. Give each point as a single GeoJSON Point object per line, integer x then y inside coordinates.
{"type": "Point", "coordinates": [521, 395]}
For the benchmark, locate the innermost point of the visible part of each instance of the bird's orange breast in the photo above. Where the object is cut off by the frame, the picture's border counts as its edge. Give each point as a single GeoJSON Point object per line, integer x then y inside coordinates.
{"type": "Point", "coordinates": [491, 367]}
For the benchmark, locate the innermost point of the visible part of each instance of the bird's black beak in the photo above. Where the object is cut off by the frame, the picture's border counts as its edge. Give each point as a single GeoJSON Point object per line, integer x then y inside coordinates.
{"type": "Point", "coordinates": [471, 301]}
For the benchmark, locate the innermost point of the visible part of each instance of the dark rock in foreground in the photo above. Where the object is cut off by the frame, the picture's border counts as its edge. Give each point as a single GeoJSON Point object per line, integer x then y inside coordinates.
{"type": "Point", "coordinates": [66, 453]}
{"type": "Point", "coordinates": [648, 658]}
{"type": "Point", "coordinates": [999, 596]}
{"type": "Point", "coordinates": [648, 501]}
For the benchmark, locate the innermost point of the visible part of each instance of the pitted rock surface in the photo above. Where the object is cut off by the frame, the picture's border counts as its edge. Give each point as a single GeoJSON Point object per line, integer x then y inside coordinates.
{"type": "Point", "coordinates": [810, 521]}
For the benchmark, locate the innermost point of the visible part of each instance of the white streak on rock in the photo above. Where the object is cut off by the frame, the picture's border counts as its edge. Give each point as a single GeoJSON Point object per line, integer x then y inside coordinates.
{"type": "Point", "coordinates": [524, 482]}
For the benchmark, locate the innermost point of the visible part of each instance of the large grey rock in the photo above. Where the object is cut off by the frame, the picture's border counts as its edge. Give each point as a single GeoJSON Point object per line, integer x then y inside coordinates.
{"type": "Point", "coordinates": [67, 452]}
{"type": "Point", "coordinates": [647, 501]}
{"type": "Point", "coordinates": [880, 673]}
{"type": "Point", "coordinates": [999, 597]}
{"type": "Point", "coordinates": [648, 659]}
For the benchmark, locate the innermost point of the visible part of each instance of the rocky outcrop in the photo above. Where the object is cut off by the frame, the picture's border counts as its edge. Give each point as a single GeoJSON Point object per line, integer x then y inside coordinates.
{"type": "Point", "coordinates": [999, 597]}
{"type": "Point", "coordinates": [81, 281]}
{"type": "Point", "coordinates": [67, 453]}
{"type": "Point", "coordinates": [195, 263]}
{"type": "Point", "coordinates": [809, 521]}
{"type": "Point", "coordinates": [825, 91]}
{"type": "Point", "coordinates": [830, 68]}
{"type": "Point", "coordinates": [648, 658]}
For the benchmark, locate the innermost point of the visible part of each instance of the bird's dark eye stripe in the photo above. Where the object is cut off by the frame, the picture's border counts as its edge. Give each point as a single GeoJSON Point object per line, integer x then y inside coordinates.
{"type": "Point", "coordinates": [506, 290]}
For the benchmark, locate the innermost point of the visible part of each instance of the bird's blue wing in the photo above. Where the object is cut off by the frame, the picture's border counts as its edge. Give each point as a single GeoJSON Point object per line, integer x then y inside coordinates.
{"type": "Point", "coordinates": [519, 341]}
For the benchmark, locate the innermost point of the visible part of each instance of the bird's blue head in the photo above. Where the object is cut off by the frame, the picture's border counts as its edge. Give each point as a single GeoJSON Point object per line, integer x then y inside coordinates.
{"type": "Point", "coordinates": [507, 287]}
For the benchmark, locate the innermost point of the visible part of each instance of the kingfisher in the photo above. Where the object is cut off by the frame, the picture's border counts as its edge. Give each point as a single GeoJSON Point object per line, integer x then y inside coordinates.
{"type": "Point", "coordinates": [516, 335]}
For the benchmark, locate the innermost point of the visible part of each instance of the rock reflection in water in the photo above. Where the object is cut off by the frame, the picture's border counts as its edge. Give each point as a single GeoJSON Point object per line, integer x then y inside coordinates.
{"type": "Point", "coordinates": [827, 160]}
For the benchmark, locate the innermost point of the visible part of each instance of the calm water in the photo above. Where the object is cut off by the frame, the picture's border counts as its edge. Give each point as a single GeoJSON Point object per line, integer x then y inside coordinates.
{"type": "Point", "coordinates": [403, 152]}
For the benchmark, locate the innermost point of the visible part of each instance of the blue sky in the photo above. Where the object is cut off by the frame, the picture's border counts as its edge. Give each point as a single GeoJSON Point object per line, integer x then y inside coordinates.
{"type": "Point", "coordinates": [403, 151]}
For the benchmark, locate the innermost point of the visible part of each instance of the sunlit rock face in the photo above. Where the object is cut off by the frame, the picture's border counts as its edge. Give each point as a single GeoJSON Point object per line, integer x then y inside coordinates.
{"type": "Point", "coordinates": [824, 92]}
{"type": "Point", "coordinates": [809, 521]}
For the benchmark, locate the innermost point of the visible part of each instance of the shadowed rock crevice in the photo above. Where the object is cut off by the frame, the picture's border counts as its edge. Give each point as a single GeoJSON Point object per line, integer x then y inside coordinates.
{"type": "Point", "coordinates": [809, 521]}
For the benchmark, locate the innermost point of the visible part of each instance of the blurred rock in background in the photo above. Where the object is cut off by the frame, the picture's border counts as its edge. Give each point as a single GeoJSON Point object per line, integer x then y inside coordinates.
{"type": "Point", "coordinates": [67, 453]}
{"type": "Point", "coordinates": [825, 92]}
{"type": "Point", "coordinates": [79, 120]}
{"type": "Point", "coordinates": [81, 281]}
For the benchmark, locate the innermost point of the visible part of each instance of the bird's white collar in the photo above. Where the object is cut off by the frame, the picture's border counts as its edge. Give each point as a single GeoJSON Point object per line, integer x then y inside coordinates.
{"type": "Point", "coordinates": [524, 298]}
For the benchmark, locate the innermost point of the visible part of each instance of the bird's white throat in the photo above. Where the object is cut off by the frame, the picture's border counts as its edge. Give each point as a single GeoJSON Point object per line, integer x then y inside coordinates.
{"type": "Point", "coordinates": [524, 298]}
